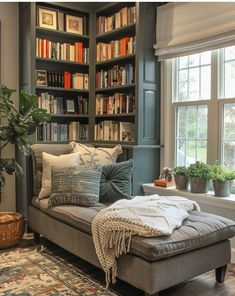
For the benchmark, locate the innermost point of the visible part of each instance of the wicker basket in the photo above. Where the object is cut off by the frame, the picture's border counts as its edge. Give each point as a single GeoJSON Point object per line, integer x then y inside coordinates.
{"type": "Point", "coordinates": [12, 228]}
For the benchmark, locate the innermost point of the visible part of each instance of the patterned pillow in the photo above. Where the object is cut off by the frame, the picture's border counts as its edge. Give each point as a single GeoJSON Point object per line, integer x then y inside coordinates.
{"type": "Point", "coordinates": [75, 185]}
{"type": "Point", "coordinates": [92, 155]}
{"type": "Point", "coordinates": [48, 161]}
{"type": "Point", "coordinates": [116, 181]}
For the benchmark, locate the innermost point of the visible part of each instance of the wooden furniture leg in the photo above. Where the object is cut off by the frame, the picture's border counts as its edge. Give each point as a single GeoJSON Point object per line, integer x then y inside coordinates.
{"type": "Point", "coordinates": [220, 274]}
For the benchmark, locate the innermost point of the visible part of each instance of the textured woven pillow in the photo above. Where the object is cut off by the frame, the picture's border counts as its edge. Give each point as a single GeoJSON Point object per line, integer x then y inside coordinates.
{"type": "Point", "coordinates": [75, 185]}
{"type": "Point", "coordinates": [116, 181]}
{"type": "Point", "coordinates": [99, 156]}
{"type": "Point", "coordinates": [48, 161]}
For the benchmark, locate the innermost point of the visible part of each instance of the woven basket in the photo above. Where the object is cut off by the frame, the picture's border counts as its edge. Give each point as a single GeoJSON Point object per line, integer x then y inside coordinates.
{"type": "Point", "coordinates": [11, 229]}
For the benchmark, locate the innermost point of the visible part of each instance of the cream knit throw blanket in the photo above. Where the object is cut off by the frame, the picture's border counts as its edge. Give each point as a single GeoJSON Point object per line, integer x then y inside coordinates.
{"type": "Point", "coordinates": [114, 226]}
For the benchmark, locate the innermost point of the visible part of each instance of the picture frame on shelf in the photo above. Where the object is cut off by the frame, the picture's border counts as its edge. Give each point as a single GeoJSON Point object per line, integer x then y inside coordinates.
{"type": "Point", "coordinates": [74, 24]}
{"type": "Point", "coordinates": [47, 18]}
{"type": "Point", "coordinates": [41, 78]}
{"type": "Point", "coordinates": [69, 106]}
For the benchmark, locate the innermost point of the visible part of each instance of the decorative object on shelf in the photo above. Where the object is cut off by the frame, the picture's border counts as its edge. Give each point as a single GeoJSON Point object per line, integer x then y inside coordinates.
{"type": "Point", "coordinates": [222, 180]}
{"type": "Point", "coordinates": [41, 78]}
{"type": "Point", "coordinates": [74, 24]}
{"type": "Point", "coordinates": [181, 178]}
{"type": "Point", "coordinates": [11, 229]}
{"type": "Point", "coordinates": [199, 175]}
{"type": "Point", "coordinates": [47, 18]}
{"type": "Point", "coordinates": [166, 179]}
{"type": "Point", "coordinates": [70, 106]}
{"type": "Point", "coordinates": [19, 124]}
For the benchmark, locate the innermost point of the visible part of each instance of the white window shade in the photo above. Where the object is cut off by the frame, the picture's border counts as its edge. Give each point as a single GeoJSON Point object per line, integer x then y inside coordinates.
{"type": "Point", "coordinates": [186, 28]}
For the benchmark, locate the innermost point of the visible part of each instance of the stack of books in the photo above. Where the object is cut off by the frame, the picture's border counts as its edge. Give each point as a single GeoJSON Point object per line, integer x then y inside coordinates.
{"type": "Point", "coordinates": [62, 132]}
{"type": "Point", "coordinates": [108, 130]}
{"type": "Point", "coordinates": [115, 49]}
{"type": "Point", "coordinates": [62, 51]}
{"type": "Point", "coordinates": [117, 75]}
{"type": "Point", "coordinates": [116, 104]}
{"type": "Point", "coordinates": [124, 17]}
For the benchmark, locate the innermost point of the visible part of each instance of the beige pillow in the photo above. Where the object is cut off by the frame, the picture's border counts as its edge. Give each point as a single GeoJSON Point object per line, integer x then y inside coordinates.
{"type": "Point", "coordinates": [100, 156]}
{"type": "Point", "coordinates": [49, 161]}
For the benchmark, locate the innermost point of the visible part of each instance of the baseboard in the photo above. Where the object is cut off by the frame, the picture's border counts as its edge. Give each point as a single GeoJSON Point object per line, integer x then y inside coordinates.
{"type": "Point", "coordinates": [233, 255]}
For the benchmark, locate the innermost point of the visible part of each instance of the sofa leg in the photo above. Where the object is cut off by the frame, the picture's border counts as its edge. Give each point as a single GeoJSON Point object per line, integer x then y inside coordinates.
{"type": "Point", "coordinates": [36, 238]}
{"type": "Point", "coordinates": [220, 274]}
{"type": "Point", "coordinates": [147, 294]}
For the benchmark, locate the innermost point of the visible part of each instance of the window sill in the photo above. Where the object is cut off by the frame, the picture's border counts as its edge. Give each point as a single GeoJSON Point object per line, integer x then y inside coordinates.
{"type": "Point", "coordinates": [208, 199]}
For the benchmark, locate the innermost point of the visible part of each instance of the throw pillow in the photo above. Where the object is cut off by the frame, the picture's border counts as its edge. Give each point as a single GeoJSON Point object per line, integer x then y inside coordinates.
{"type": "Point", "coordinates": [100, 155]}
{"type": "Point", "coordinates": [116, 181]}
{"type": "Point", "coordinates": [48, 161]}
{"type": "Point", "coordinates": [75, 185]}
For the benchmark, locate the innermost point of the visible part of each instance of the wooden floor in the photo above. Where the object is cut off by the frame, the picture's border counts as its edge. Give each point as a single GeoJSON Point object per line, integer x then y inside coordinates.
{"type": "Point", "coordinates": [203, 285]}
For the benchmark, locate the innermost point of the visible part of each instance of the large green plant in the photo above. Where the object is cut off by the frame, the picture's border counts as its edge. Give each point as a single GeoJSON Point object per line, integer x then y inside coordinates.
{"type": "Point", "coordinates": [17, 125]}
{"type": "Point", "coordinates": [200, 169]}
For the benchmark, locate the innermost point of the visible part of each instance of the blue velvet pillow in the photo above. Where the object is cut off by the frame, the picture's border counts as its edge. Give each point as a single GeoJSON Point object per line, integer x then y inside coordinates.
{"type": "Point", "coordinates": [116, 181]}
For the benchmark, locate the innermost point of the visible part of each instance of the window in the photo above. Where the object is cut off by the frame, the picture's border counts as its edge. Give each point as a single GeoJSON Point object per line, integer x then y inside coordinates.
{"type": "Point", "coordinates": [200, 100]}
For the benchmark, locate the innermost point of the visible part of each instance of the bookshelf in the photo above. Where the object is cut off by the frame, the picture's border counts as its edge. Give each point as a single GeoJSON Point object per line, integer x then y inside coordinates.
{"type": "Point", "coordinates": [144, 148]}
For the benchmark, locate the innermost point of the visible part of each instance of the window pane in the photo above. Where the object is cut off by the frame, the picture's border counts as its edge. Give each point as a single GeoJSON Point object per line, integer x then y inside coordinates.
{"type": "Point", "coordinates": [229, 79]}
{"type": "Point", "coordinates": [202, 122]}
{"type": "Point", "coordinates": [191, 134]}
{"type": "Point", "coordinates": [193, 81]}
{"type": "Point", "coordinates": [229, 155]}
{"type": "Point", "coordinates": [229, 53]}
{"type": "Point", "coordinates": [228, 139]}
{"type": "Point", "coordinates": [201, 150]}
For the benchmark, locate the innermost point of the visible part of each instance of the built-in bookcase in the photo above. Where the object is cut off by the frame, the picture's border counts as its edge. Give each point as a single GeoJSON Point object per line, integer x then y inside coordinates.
{"type": "Point", "coordinates": [120, 104]}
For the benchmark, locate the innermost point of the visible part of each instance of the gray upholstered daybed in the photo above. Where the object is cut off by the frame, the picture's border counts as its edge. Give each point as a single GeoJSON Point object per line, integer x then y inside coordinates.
{"type": "Point", "coordinates": [153, 264]}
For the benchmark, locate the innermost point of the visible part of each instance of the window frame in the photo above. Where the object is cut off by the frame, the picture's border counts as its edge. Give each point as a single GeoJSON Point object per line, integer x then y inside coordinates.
{"type": "Point", "coordinates": [215, 110]}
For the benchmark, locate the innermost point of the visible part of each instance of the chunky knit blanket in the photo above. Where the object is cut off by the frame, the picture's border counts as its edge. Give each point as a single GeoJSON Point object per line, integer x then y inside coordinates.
{"type": "Point", "coordinates": [114, 226]}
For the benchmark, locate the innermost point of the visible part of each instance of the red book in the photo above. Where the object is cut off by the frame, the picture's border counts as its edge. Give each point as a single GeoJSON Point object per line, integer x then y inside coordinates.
{"type": "Point", "coordinates": [80, 53]}
{"type": "Point", "coordinates": [69, 79]}
{"type": "Point", "coordinates": [107, 105]}
{"type": "Point", "coordinates": [65, 79]}
{"type": "Point", "coordinates": [42, 48]}
{"type": "Point", "coordinates": [47, 48]}
{"type": "Point", "coordinates": [76, 51]}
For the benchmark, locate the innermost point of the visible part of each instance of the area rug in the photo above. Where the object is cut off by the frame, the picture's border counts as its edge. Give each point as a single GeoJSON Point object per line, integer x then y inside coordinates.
{"type": "Point", "coordinates": [27, 272]}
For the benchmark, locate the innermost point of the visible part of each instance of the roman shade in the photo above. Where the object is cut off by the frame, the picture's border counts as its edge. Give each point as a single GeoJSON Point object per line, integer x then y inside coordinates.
{"type": "Point", "coordinates": [186, 28]}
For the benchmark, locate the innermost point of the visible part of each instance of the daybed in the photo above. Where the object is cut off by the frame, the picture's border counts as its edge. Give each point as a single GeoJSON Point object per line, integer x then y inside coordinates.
{"type": "Point", "coordinates": [153, 264]}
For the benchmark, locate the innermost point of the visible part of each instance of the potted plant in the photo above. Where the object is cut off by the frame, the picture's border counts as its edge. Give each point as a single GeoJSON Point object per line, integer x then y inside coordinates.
{"type": "Point", "coordinates": [181, 178]}
{"type": "Point", "coordinates": [17, 125]}
{"type": "Point", "coordinates": [199, 175]}
{"type": "Point", "coordinates": [222, 180]}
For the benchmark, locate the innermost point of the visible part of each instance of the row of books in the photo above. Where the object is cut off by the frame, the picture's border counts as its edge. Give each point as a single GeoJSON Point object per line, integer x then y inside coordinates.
{"type": "Point", "coordinates": [124, 17]}
{"type": "Point", "coordinates": [117, 75]}
{"type": "Point", "coordinates": [62, 51]}
{"type": "Point", "coordinates": [63, 105]}
{"type": "Point", "coordinates": [116, 104]}
{"type": "Point", "coordinates": [62, 132]}
{"type": "Point", "coordinates": [62, 79]}
{"type": "Point", "coordinates": [115, 49]}
{"type": "Point", "coordinates": [108, 130]}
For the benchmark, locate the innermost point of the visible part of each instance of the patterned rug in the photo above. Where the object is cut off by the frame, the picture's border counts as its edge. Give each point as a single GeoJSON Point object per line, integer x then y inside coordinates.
{"type": "Point", "coordinates": [26, 272]}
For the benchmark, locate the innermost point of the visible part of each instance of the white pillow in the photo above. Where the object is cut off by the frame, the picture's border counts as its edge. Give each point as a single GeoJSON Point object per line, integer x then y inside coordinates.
{"type": "Point", "coordinates": [48, 161]}
{"type": "Point", "coordinates": [100, 156]}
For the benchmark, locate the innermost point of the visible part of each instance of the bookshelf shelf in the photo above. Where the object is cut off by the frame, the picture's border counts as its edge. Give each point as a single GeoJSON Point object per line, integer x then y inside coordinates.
{"type": "Point", "coordinates": [61, 89]}
{"type": "Point", "coordinates": [50, 32]}
{"type": "Point", "coordinates": [115, 115]}
{"type": "Point", "coordinates": [54, 61]}
{"type": "Point", "coordinates": [125, 58]}
{"type": "Point", "coordinates": [122, 31]}
{"type": "Point", "coordinates": [72, 116]}
{"type": "Point", "coordinates": [115, 88]}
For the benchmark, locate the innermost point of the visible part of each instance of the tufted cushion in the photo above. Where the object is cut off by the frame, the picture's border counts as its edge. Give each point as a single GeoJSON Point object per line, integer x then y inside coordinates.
{"type": "Point", "coordinates": [75, 185]}
{"type": "Point", "coordinates": [116, 181]}
{"type": "Point", "coordinates": [92, 155]}
{"type": "Point", "coordinates": [37, 149]}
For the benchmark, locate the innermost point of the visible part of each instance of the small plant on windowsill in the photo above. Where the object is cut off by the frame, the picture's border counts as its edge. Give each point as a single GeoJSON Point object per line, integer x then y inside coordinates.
{"type": "Point", "coordinates": [199, 175]}
{"type": "Point", "coordinates": [17, 125]}
{"type": "Point", "coordinates": [181, 178]}
{"type": "Point", "coordinates": [222, 180]}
